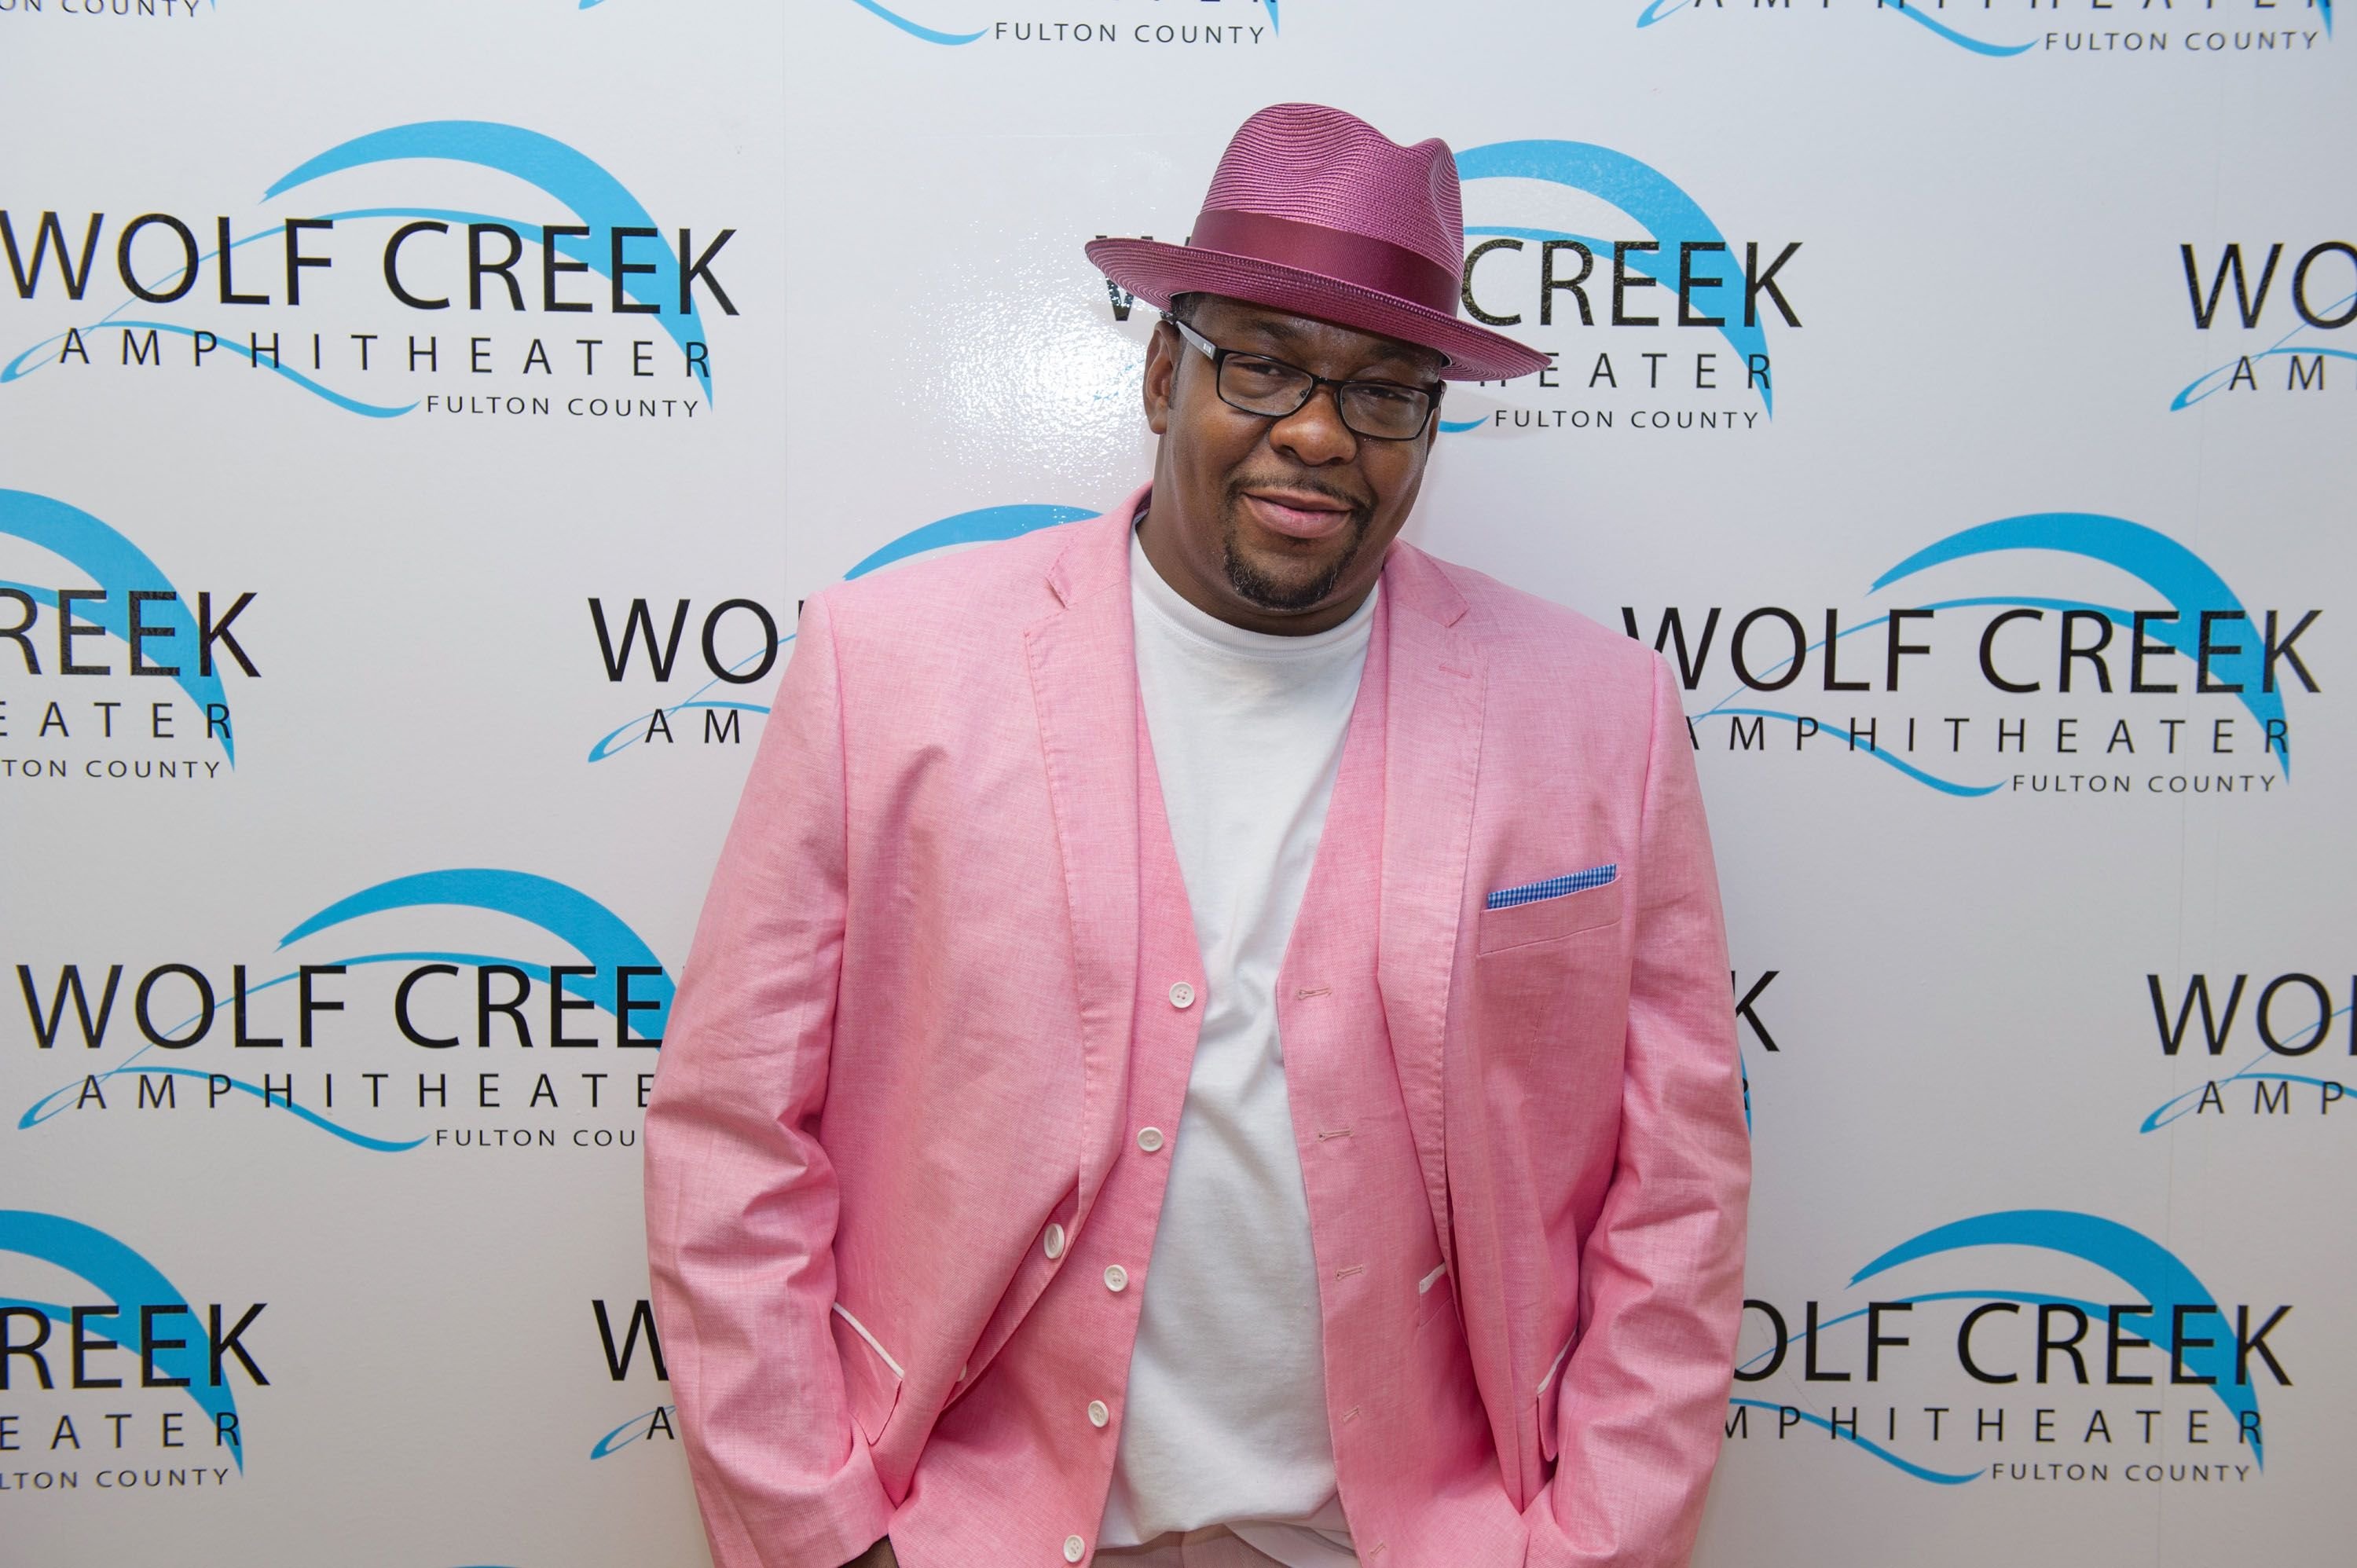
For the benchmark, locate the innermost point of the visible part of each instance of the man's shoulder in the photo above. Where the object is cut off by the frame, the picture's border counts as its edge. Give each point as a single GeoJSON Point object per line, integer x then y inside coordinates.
{"type": "Point", "coordinates": [1518, 629]}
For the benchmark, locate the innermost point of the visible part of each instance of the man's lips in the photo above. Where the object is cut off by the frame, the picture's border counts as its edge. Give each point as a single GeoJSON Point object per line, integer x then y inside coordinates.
{"type": "Point", "coordinates": [1296, 515]}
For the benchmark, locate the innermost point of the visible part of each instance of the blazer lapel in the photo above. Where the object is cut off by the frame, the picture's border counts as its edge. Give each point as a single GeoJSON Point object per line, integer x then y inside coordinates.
{"type": "Point", "coordinates": [1433, 746]}
{"type": "Point", "coordinates": [1084, 662]}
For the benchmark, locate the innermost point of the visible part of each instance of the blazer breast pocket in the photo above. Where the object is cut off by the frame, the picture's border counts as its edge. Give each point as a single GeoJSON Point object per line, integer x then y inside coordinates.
{"type": "Point", "coordinates": [1549, 978]}
{"type": "Point", "coordinates": [1543, 919]}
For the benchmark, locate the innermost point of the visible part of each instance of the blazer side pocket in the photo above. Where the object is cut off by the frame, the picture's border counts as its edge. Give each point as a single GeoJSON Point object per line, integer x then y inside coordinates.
{"type": "Point", "coordinates": [871, 1378]}
{"type": "Point", "coordinates": [1433, 1292]}
{"type": "Point", "coordinates": [1519, 924]}
{"type": "Point", "coordinates": [1550, 1404]}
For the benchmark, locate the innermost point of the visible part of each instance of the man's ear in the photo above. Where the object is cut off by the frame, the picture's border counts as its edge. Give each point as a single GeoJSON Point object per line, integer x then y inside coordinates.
{"type": "Point", "coordinates": [1161, 372]}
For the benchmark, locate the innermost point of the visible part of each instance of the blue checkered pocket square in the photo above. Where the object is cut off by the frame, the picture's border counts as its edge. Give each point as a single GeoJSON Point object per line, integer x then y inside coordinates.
{"type": "Point", "coordinates": [1553, 887]}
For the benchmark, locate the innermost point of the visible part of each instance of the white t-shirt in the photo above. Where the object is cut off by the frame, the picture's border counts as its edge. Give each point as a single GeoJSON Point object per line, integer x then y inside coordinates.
{"type": "Point", "coordinates": [1226, 1419]}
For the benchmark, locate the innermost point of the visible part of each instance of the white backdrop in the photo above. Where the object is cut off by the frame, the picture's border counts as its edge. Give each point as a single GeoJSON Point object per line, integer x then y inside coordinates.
{"type": "Point", "coordinates": [1967, 918]}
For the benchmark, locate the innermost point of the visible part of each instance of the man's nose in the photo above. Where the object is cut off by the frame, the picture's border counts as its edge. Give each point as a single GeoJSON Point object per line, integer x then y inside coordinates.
{"type": "Point", "coordinates": [1314, 434]}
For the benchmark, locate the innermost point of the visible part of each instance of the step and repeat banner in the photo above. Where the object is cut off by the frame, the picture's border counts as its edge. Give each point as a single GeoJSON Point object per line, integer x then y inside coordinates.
{"type": "Point", "coordinates": [419, 427]}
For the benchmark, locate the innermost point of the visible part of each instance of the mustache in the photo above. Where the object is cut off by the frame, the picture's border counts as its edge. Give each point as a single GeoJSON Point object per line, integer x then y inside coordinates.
{"type": "Point", "coordinates": [1360, 506]}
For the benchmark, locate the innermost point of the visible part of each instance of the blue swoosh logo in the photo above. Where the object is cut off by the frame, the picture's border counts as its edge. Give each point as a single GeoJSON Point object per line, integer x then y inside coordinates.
{"type": "Point", "coordinates": [130, 1282]}
{"type": "Point", "coordinates": [582, 923]}
{"type": "Point", "coordinates": [2175, 1108]}
{"type": "Point", "coordinates": [2160, 1278]}
{"type": "Point", "coordinates": [977, 527]}
{"type": "Point", "coordinates": [636, 1428]}
{"type": "Point", "coordinates": [2182, 577]}
{"type": "Point", "coordinates": [595, 196]}
{"type": "Point", "coordinates": [122, 568]}
{"type": "Point", "coordinates": [915, 29]}
{"type": "Point", "coordinates": [1917, 14]}
{"type": "Point", "coordinates": [2211, 382]}
{"type": "Point", "coordinates": [590, 929]}
{"type": "Point", "coordinates": [1660, 10]}
{"type": "Point", "coordinates": [23, 365]}
{"type": "Point", "coordinates": [1637, 188]}
{"type": "Point", "coordinates": [585, 187]}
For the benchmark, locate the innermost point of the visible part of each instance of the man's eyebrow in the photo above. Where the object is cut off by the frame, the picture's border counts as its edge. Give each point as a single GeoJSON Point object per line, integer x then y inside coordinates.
{"type": "Point", "coordinates": [1403, 355]}
{"type": "Point", "coordinates": [1284, 332]}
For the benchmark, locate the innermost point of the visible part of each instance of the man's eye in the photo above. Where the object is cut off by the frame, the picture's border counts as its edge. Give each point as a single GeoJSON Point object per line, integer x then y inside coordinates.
{"type": "Point", "coordinates": [1259, 372]}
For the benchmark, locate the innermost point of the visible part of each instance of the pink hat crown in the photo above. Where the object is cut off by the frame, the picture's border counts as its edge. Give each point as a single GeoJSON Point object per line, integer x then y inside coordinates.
{"type": "Point", "coordinates": [1315, 211]}
{"type": "Point", "coordinates": [1310, 163]}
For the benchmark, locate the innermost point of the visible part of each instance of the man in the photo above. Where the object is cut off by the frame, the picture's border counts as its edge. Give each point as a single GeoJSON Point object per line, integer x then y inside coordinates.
{"type": "Point", "coordinates": [1210, 1041]}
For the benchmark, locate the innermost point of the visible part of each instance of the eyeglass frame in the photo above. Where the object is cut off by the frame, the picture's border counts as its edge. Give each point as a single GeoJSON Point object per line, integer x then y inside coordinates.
{"type": "Point", "coordinates": [1219, 358]}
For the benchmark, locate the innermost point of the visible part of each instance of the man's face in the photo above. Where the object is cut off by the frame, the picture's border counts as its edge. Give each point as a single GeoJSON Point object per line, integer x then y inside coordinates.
{"type": "Point", "coordinates": [1276, 524]}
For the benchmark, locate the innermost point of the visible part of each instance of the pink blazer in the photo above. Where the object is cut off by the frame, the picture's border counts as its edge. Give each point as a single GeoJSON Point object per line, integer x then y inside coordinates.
{"type": "Point", "coordinates": [900, 1041]}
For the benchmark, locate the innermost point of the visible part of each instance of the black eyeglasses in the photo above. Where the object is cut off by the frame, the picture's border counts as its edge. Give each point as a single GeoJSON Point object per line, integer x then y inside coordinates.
{"type": "Point", "coordinates": [1381, 411]}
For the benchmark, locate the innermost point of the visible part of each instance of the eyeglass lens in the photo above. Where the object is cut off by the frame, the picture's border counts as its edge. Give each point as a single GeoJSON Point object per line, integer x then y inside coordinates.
{"type": "Point", "coordinates": [1370, 408]}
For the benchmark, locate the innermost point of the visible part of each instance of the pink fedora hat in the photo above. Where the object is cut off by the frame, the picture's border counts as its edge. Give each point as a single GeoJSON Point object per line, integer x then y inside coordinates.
{"type": "Point", "coordinates": [1317, 212]}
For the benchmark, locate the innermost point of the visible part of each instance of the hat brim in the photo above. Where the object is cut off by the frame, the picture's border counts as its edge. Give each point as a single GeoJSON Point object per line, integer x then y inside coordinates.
{"type": "Point", "coordinates": [1155, 272]}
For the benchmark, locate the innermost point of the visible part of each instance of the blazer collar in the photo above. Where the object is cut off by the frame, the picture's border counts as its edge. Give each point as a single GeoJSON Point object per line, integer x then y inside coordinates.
{"type": "Point", "coordinates": [1437, 683]}
{"type": "Point", "coordinates": [1084, 662]}
{"type": "Point", "coordinates": [1096, 557]}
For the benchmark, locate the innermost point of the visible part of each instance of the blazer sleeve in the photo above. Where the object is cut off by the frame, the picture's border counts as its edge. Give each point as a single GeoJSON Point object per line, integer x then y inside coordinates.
{"type": "Point", "coordinates": [1642, 1396]}
{"type": "Point", "coordinates": [741, 1199]}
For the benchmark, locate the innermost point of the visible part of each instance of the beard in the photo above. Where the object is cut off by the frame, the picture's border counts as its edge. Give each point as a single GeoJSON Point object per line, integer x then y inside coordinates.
{"type": "Point", "coordinates": [1286, 595]}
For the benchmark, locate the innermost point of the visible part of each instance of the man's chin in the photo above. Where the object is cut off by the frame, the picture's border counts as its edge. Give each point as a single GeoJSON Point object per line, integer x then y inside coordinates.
{"type": "Point", "coordinates": [1285, 585]}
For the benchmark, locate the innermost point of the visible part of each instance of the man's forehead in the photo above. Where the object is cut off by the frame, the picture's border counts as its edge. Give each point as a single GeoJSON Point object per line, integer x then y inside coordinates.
{"type": "Point", "coordinates": [1283, 326]}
